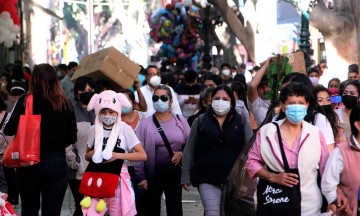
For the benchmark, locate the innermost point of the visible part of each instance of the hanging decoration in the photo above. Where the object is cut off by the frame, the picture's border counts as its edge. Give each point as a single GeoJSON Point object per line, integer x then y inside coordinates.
{"type": "Point", "coordinates": [177, 26]}
{"type": "Point", "coordinates": [9, 22]}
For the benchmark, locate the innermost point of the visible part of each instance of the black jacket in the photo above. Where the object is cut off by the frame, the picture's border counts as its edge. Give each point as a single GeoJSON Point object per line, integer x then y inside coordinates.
{"type": "Point", "coordinates": [217, 149]}
{"type": "Point", "coordinates": [58, 129]}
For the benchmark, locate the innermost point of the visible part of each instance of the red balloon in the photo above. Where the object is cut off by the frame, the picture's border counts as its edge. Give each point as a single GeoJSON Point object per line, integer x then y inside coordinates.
{"type": "Point", "coordinates": [10, 7]}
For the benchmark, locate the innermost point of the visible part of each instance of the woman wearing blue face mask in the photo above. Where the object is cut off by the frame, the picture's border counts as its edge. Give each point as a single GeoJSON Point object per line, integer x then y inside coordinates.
{"type": "Point", "coordinates": [286, 155]}
{"type": "Point", "coordinates": [163, 135]}
{"type": "Point", "coordinates": [132, 117]}
{"type": "Point", "coordinates": [130, 114]}
{"type": "Point", "coordinates": [216, 139]}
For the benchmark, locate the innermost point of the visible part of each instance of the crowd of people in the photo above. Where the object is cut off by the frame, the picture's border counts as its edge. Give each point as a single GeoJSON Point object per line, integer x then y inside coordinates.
{"type": "Point", "coordinates": [174, 130]}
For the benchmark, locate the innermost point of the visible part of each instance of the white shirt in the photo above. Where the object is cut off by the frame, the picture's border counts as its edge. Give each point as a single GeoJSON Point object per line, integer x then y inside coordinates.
{"type": "Point", "coordinates": [187, 109]}
{"type": "Point", "coordinates": [259, 108]}
{"type": "Point", "coordinates": [248, 76]}
{"type": "Point", "coordinates": [127, 137]}
{"type": "Point", "coordinates": [331, 177]}
{"type": "Point", "coordinates": [325, 127]}
{"type": "Point", "coordinates": [148, 93]}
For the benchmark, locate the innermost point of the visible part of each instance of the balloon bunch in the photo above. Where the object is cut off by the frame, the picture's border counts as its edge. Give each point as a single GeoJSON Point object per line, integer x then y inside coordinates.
{"type": "Point", "coordinates": [9, 22]}
{"type": "Point", "coordinates": [177, 27]}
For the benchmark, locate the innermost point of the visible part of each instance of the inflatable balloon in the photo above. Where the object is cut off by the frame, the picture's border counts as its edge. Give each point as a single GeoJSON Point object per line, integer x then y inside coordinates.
{"type": "Point", "coordinates": [177, 27]}
{"type": "Point", "coordinates": [9, 22]}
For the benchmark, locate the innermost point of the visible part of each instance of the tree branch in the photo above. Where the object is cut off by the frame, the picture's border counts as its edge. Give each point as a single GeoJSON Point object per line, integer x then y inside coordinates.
{"type": "Point", "coordinates": [244, 34]}
{"type": "Point", "coordinates": [328, 21]}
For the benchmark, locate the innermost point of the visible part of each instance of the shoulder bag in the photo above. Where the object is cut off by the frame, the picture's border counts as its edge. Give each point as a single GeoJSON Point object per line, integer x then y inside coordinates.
{"type": "Point", "coordinates": [166, 141]}
{"type": "Point", "coordinates": [24, 150]}
{"type": "Point", "coordinates": [274, 199]}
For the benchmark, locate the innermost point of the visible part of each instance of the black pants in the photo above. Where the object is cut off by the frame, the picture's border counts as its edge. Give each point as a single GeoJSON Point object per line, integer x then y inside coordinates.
{"type": "Point", "coordinates": [74, 186]}
{"type": "Point", "coordinates": [139, 194]}
{"type": "Point", "coordinates": [12, 184]}
{"type": "Point", "coordinates": [167, 182]}
{"type": "Point", "coordinates": [47, 179]}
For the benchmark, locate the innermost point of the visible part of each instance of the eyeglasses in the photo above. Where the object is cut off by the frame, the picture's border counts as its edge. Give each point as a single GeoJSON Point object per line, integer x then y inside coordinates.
{"type": "Point", "coordinates": [164, 98]}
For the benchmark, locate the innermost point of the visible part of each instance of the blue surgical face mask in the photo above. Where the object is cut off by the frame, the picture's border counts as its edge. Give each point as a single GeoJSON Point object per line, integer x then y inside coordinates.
{"type": "Point", "coordinates": [59, 74]}
{"type": "Point", "coordinates": [296, 113]}
{"type": "Point", "coordinates": [126, 109]}
{"type": "Point", "coordinates": [161, 106]}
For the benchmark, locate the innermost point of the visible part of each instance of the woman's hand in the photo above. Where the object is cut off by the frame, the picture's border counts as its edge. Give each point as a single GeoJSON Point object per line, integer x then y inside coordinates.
{"type": "Point", "coordinates": [185, 186]}
{"type": "Point", "coordinates": [177, 157]}
{"type": "Point", "coordinates": [143, 185]}
{"type": "Point", "coordinates": [286, 179]}
{"type": "Point", "coordinates": [342, 202]}
{"type": "Point", "coordinates": [88, 155]}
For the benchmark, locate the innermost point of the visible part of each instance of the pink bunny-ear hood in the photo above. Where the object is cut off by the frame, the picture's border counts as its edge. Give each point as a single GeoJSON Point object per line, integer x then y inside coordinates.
{"type": "Point", "coordinates": [124, 101]}
{"type": "Point", "coordinates": [94, 99]}
{"type": "Point", "coordinates": [106, 99]}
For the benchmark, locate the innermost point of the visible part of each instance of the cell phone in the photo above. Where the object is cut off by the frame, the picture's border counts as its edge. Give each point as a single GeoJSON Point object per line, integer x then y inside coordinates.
{"type": "Point", "coordinates": [335, 99]}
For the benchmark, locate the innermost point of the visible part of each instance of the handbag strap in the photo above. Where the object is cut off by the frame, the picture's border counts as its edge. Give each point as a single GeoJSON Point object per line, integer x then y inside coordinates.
{"type": "Point", "coordinates": [3, 120]}
{"type": "Point", "coordinates": [29, 104]}
{"type": "Point", "coordinates": [283, 155]}
{"type": "Point", "coordinates": [161, 131]}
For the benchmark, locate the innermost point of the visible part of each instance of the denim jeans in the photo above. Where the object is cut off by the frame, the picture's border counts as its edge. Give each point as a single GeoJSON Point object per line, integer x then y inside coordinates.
{"type": "Point", "coordinates": [47, 180]}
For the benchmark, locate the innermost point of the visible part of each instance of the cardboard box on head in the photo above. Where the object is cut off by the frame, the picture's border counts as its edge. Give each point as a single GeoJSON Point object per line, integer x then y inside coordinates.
{"type": "Point", "coordinates": [111, 65]}
{"type": "Point", "coordinates": [296, 60]}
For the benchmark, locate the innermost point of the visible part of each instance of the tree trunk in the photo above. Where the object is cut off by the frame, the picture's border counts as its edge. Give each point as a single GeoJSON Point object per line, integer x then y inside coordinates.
{"type": "Point", "coordinates": [340, 28]}
{"type": "Point", "coordinates": [243, 31]}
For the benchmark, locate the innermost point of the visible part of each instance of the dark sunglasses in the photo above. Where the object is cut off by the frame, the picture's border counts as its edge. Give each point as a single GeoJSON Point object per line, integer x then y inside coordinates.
{"type": "Point", "coordinates": [164, 98]}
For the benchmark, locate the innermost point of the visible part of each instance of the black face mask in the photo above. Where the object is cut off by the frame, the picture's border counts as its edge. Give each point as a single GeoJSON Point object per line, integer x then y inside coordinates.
{"type": "Point", "coordinates": [85, 97]}
{"type": "Point", "coordinates": [349, 101]}
{"type": "Point", "coordinates": [327, 108]}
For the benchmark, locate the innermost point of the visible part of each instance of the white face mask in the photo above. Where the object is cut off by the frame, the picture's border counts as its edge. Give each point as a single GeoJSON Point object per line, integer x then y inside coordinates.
{"type": "Point", "coordinates": [226, 72]}
{"type": "Point", "coordinates": [108, 120]}
{"type": "Point", "coordinates": [155, 81]}
{"type": "Point", "coordinates": [314, 80]}
{"type": "Point", "coordinates": [221, 107]}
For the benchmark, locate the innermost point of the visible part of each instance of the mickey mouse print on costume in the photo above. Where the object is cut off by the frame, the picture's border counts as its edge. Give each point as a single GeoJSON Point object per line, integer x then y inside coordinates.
{"type": "Point", "coordinates": [106, 181]}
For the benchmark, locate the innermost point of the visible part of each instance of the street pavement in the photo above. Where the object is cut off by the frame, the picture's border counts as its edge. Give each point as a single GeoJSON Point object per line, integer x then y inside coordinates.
{"type": "Point", "coordinates": [192, 205]}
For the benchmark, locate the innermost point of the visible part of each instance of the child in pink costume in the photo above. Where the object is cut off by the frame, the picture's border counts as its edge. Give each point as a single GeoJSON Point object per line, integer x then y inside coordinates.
{"type": "Point", "coordinates": [107, 136]}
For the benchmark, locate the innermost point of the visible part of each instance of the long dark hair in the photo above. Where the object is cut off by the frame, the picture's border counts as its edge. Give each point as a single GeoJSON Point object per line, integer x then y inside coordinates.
{"type": "Point", "coordinates": [240, 90]}
{"type": "Point", "coordinates": [354, 116]}
{"type": "Point", "coordinates": [204, 95]}
{"type": "Point", "coordinates": [354, 83]}
{"type": "Point", "coordinates": [3, 105]}
{"type": "Point", "coordinates": [329, 113]}
{"type": "Point", "coordinates": [45, 81]}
